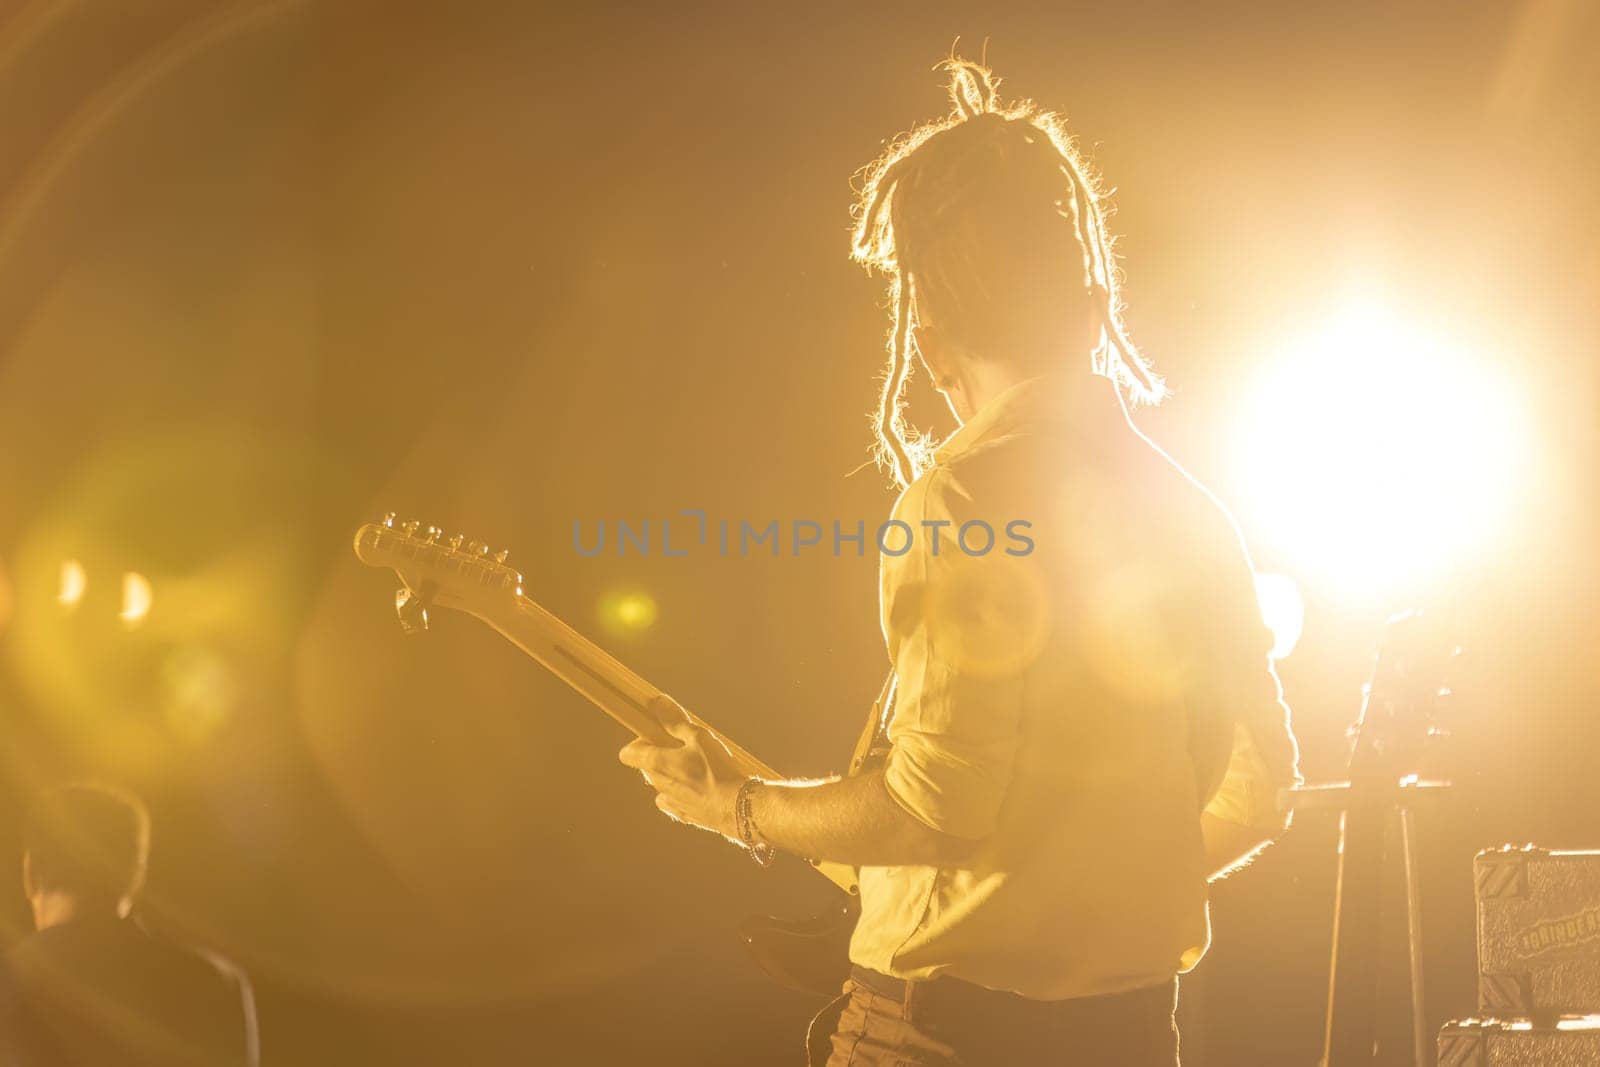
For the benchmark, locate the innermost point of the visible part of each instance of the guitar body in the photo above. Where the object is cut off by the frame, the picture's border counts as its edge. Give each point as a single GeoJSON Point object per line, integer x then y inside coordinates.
{"type": "Point", "coordinates": [809, 955]}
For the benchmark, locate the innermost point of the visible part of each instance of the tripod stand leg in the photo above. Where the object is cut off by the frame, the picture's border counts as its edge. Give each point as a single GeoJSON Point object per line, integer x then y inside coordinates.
{"type": "Point", "coordinates": [1353, 977]}
{"type": "Point", "coordinates": [1419, 1021]}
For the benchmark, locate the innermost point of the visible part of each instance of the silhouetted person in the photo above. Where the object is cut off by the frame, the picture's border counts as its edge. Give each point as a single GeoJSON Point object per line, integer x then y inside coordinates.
{"type": "Point", "coordinates": [93, 986]}
{"type": "Point", "coordinates": [1086, 727]}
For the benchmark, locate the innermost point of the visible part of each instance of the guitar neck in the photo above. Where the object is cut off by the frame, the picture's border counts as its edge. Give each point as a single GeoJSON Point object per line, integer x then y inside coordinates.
{"type": "Point", "coordinates": [615, 689]}
{"type": "Point", "coordinates": [607, 682]}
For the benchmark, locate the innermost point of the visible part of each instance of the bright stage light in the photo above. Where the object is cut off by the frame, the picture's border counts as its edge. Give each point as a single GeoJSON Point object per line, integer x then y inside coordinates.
{"type": "Point", "coordinates": [137, 597]}
{"type": "Point", "coordinates": [1374, 456]}
{"type": "Point", "coordinates": [1282, 610]}
{"type": "Point", "coordinates": [74, 583]}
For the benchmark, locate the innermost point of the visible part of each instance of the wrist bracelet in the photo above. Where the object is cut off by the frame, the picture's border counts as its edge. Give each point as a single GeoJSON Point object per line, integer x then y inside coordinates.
{"type": "Point", "coordinates": [743, 818]}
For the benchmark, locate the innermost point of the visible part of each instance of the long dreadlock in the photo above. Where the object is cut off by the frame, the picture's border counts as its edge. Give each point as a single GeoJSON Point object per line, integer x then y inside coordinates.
{"type": "Point", "coordinates": [968, 205]}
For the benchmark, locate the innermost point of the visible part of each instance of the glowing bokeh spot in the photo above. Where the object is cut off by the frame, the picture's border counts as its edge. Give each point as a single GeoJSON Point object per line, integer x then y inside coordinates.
{"type": "Point", "coordinates": [5, 596]}
{"type": "Point", "coordinates": [200, 691]}
{"type": "Point", "coordinates": [74, 584]}
{"type": "Point", "coordinates": [1282, 610]}
{"type": "Point", "coordinates": [629, 612]}
{"type": "Point", "coordinates": [991, 616]}
{"type": "Point", "coordinates": [1375, 456]}
{"type": "Point", "coordinates": [1130, 658]}
{"type": "Point", "coordinates": [137, 597]}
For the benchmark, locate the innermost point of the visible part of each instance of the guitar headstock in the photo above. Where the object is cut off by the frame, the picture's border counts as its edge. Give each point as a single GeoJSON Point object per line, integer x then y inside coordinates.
{"type": "Point", "coordinates": [450, 572]}
{"type": "Point", "coordinates": [1404, 698]}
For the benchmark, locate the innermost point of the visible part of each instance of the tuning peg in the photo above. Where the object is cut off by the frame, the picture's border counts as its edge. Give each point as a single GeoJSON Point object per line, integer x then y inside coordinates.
{"type": "Point", "coordinates": [412, 611]}
{"type": "Point", "coordinates": [409, 527]}
{"type": "Point", "coordinates": [483, 551]}
{"type": "Point", "coordinates": [476, 548]}
{"type": "Point", "coordinates": [434, 533]}
{"type": "Point", "coordinates": [455, 542]}
{"type": "Point", "coordinates": [388, 519]}
{"type": "Point", "coordinates": [500, 556]}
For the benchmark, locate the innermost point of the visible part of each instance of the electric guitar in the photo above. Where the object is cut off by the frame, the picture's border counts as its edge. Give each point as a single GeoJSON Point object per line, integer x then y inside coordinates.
{"type": "Point", "coordinates": [458, 575]}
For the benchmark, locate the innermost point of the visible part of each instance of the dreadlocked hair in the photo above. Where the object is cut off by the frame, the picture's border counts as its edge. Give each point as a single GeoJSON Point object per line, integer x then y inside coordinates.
{"type": "Point", "coordinates": [972, 206]}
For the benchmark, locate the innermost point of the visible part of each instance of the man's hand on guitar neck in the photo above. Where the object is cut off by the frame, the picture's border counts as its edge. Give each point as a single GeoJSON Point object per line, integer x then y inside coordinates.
{"type": "Point", "coordinates": [847, 820]}
{"type": "Point", "coordinates": [697, 780]}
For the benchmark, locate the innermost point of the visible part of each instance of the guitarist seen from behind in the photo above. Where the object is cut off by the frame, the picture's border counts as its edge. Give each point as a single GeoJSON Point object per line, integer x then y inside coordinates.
{"type": "Point", "coordinates": [1084, 734]}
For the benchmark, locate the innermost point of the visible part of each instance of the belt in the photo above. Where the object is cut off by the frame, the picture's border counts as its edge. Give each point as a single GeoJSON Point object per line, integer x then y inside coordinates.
{"type": "Point", "coordinates": [945, 991]}
{"type": "Point", "coordinates": [887, 985]}
{"type": "Point", "coordinates": [947, 994]}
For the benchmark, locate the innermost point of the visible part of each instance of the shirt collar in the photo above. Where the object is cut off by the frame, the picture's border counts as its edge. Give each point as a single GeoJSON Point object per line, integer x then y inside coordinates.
{"type": "Point", "coordinates": [1059, 396]}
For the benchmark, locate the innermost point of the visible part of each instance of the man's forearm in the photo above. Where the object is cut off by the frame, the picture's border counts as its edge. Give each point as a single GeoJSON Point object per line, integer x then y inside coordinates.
{"type": "Point", "coordinates": [856, 821]}
{"type": "Point", "coordinates": [850, 820]}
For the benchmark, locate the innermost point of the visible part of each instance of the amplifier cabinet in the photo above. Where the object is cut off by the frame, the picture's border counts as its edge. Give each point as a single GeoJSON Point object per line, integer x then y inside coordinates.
{"type": "Point", "coordinates": [1538, 932]}
{"type": "Point", "coordinates": [1495, 1043]}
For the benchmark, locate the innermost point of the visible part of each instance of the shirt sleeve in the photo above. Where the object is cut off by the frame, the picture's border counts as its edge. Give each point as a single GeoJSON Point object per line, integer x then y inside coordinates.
{"type": "Point", "coordinates": [1235, 698]}
{"type": "Point", "coordinates": [1249, 791]}
{"type": "Point", "coordinates": [961, 627]}
{"type": "Point", "coordinates": [1264, 758]}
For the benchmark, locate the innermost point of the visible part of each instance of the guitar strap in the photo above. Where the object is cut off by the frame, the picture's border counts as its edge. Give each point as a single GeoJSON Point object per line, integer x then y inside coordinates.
{"type": "Point", "coordinates": [874, 729]}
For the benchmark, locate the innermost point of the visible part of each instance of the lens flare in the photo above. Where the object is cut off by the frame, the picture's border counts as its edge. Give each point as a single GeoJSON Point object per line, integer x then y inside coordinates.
{"type": "Point", "coordinates": [628, 613]}
{"type": "Point", "coordinates": [74, 584]}
{"type": "Point", "coordinates": [137, 598]}
{"type": "Point", "coordinates": [200, 691]}
{"type": "Point", "coordinates": [5, 596]}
